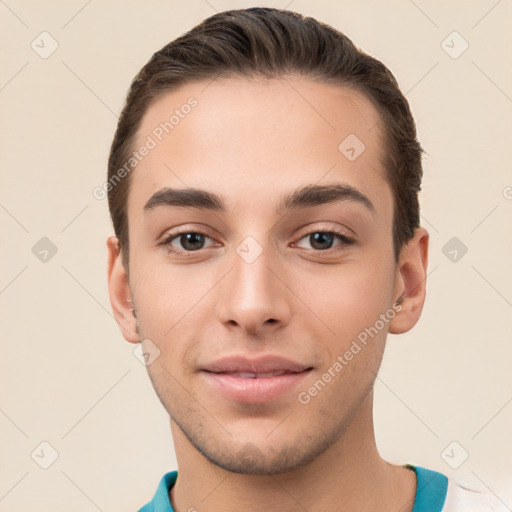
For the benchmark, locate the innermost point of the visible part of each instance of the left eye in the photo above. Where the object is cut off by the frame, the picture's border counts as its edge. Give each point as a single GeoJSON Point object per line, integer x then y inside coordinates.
{"type": "Point", "coordinates": [323, 240]}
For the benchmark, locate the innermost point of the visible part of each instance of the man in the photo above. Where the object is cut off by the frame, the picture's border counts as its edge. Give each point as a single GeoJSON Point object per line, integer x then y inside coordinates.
{"type": "Point", "coordinates": [263, 185]}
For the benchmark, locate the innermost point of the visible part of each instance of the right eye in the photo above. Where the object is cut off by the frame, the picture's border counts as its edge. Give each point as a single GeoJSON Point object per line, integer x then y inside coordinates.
{"type": "Point", "coordinates": [188, 241]}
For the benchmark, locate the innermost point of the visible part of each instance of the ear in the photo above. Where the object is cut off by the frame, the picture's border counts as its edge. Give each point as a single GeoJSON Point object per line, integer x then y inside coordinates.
{"type": "Point", "coordinates": [410, 282]}
{"type": "Point", "coordinates": [119, 292]}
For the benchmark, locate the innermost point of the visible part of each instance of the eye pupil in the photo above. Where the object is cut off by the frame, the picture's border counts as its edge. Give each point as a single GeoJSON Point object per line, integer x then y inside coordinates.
{"type": "Point", "coordinates": [192, 241]}
{"type": "Point", "coordinates": [318, 238]}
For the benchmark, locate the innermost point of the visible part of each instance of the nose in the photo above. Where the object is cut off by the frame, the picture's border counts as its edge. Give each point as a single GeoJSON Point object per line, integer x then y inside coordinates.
{"type": "Point", "coordinates": [255, 296]}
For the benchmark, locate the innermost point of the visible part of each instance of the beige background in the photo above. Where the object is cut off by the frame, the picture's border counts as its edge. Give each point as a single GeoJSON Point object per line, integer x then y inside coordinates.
{"type": "Point", "coordinates": [67, 376]}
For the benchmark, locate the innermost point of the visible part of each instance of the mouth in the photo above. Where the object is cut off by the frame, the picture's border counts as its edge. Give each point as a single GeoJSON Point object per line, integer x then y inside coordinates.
{"type": "Point", "coordinates": [250, 375]}
{"type": "Point", "coordinates": [254, 381]}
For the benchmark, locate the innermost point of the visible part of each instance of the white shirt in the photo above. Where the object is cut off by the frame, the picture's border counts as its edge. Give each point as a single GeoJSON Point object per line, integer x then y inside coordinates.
{"type": "Point", "coordinates": [461, 499]}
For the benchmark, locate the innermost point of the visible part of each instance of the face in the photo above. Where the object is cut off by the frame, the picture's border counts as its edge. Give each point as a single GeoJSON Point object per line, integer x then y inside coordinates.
{"type": "Point", "coordinates": [256, 286]}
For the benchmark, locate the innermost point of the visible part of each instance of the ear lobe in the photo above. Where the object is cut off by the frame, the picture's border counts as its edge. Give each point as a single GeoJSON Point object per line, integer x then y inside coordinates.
{"type": "Point", "coordinates": [411, 282]}
{"type": "Point", "coordinates": [119, 292]}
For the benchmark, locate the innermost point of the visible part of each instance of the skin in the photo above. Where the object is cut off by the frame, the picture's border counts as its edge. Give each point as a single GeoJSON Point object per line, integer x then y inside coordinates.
{"type": "Point", "coordinates": [251, 142]}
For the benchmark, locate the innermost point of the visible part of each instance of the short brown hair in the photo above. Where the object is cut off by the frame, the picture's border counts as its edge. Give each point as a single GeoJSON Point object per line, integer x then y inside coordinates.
{"type": "Point", "coordinates": [272, 43]}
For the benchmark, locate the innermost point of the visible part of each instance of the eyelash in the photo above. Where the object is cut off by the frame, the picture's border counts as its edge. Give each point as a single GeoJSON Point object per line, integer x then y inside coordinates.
{"type": "Point", "coordinates": [346, 241]}
{"type": "Point", "coordinates": [181, 254]}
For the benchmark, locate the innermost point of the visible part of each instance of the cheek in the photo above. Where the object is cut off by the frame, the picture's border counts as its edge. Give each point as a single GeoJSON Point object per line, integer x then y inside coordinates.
{"type": "Point", "coordinates": [170, 301]}
{"type": "Point", "coordinates": [347, 299]}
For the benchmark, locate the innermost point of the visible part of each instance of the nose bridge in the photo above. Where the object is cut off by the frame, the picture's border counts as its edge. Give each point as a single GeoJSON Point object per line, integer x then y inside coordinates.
{"type": "Point", "coordinates": [253, 296]}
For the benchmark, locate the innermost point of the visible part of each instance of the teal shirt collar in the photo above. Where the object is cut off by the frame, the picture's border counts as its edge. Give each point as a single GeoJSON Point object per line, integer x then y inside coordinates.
{"type": "Point", "coordinates": [431, 488]}
{"type": "Point", "coordinates": [430, 491]}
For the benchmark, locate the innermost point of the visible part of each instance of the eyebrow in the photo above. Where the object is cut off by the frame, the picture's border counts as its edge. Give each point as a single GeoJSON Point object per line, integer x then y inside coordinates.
{"type": "Point", "coordinates": [309, 195]}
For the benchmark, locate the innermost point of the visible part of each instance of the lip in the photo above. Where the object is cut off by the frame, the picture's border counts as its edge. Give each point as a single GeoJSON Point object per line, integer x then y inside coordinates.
{"type": "Point", "coordinates": [253, 381]}
{"type": "Point", "coordinates": [261, 364]}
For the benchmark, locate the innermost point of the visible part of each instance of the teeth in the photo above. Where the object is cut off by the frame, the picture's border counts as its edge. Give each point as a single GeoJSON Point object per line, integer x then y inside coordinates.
{"type": "Point", "coordinates": [249, 375]}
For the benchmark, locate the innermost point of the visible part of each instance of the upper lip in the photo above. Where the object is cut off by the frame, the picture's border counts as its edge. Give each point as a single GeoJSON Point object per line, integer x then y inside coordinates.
{"type": "Point", "coordinates": [262, 364]}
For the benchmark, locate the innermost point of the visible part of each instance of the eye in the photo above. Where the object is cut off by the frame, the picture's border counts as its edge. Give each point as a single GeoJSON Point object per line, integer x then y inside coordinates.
{"type": "Point", "coordinates": [324, 240]}
{"type": "Point", "coordinates": [185, 241]}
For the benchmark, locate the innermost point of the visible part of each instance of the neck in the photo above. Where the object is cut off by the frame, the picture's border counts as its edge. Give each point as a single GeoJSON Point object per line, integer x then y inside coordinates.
{"type": "Point", "coordinates": [350, 472]}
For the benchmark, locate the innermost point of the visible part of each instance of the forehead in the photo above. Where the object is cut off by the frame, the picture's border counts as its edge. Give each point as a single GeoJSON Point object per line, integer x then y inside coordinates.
{"type": "Point", "coordinates": [241, 135]}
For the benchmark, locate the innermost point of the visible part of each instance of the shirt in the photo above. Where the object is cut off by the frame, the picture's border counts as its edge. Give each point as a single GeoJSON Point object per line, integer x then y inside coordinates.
{"type": "Point", "coordinates": [434, 493]}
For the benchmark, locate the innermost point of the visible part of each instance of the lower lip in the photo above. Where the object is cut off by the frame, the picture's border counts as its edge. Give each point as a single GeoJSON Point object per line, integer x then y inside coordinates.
{"type": "Point", "coordinates": [253, 390]}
